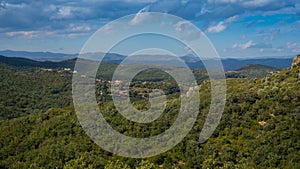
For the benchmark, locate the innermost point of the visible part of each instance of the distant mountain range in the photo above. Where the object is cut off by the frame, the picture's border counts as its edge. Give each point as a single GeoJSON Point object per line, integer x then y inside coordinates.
{"type": "Point", "coordinates": [233, 64]}
{"type": "Point", "coordinates": [24, 62]}
{"type": "Point", "coordinates": [47, 58]}
{"type": "Point", "coordinates": [38, 56]}
{"type": "Point", "coordinates": [247, 70]}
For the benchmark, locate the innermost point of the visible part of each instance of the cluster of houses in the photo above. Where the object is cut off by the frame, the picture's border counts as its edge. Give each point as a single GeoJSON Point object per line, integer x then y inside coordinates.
{"type": "Point", "coordinates": [59, 71]}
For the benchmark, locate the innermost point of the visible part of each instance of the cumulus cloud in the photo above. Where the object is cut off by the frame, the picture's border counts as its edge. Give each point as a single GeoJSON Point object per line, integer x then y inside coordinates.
{"type": "Point", "coordinates": [56, 15]}
{"type": "Point", "coordinates": [35, 15]}
{"type": "Point", "coordinates": [221, 26]}
{"type": "Point", "coordinates": [244, 46]}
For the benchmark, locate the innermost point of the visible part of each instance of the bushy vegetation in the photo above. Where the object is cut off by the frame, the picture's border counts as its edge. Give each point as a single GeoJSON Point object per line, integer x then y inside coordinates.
{"type": "Point", "coordinates": [252, 71]}
{"type": "Point", "coordinates": [260, 127]}
{"type": "Point", "coordinates": [32, 90]}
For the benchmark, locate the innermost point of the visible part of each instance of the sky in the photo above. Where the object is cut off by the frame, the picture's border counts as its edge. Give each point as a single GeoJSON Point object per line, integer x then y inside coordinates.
{"type": "Point", "coordinates": [237, 28]}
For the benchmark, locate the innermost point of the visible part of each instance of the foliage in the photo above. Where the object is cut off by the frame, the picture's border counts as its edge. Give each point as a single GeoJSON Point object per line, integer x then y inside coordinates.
{"type": "Point", "coordinates": [32, 90]}
{"type": "Point", "coordinates": [260, 126]}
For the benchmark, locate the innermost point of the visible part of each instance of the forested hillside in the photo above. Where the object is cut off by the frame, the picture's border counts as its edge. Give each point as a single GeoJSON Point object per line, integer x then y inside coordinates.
{"type": "Point", "coordinates": [260, 127]}
{"type": "Point", "coordinates": [32, 90]}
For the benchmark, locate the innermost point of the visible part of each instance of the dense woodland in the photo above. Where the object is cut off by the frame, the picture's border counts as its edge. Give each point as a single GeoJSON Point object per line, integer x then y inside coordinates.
{"type": "Point", "coordinates": [260, 127]}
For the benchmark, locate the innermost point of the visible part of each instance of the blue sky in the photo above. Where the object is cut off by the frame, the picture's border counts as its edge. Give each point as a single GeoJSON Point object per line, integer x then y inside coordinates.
{"type": "Point", "coordinates": [237, 28]}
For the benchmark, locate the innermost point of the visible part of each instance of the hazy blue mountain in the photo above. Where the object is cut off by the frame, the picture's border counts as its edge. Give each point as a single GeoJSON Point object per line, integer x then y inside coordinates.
{"type": "Point", "coordinates": [190, 60]}
{"type": "Point", "coordinates": [233, 64]}
{"type": "Point", "coordinates": [39, 56]}
{"type": "Point", "coordinates": [24, 62]}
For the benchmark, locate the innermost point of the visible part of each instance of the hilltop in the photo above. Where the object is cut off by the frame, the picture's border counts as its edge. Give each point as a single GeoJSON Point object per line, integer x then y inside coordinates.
{"type": "Point", "coordinates": [296, 61]}
{"type": "Point", "coordinates": [256, 70]}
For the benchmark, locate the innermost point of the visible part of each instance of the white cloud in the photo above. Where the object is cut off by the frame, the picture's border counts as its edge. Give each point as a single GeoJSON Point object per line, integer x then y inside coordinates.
{"type": "Point", "coordinates": [184, 1]}
{"type": "Point", "coordinates": [25, 34]}
{"type": "Point", "coordinates": [189, 50]}
{"type": "Point", "coordinates": [250, 44]}
{"type": "Point", "coordinates": [244, 46]}
{"type": "Point", "coordinates": [64, 12]}
{"type": "Point", "coordinates": [256, 3]}
{"type": "Point", "coordinates": [221, 26]}
{"type": "Point", "coordinates": [139, 17]}
{"type": "Point", "coordinates": [271, 34]}
{"type": "Point", "coordinates": [186, 31]}
{"type": "Point", "coordinates": [292, 46]}
{"type": "Point", "coordinates": [203, 11]}
{"type": "Point", "coordinates": [79, 28]}
{"type": "Point", "coordinates": [27, 19]}
{"type": "Point", "coordinates": [9, 5]}
{"type": "Point", "coordinates": [244, 3]}
{"type": "Point", "coordinates": [180, 26]}
{"type": "Point", "coordinates": [222, 1]}
{"type": "Point", "coordinates": [231, 19]}
{"type": "Point", "coordinates": [261, 50]}
{"type": "Point", "coordinates": [72, 31]}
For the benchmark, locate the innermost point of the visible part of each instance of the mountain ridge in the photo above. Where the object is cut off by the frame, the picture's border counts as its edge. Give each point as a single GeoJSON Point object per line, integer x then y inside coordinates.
{"type": "Point", "coordinates": [228, 64]}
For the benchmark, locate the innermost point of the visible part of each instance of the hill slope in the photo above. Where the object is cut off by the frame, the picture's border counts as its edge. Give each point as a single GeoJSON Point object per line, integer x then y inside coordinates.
{"type": "Point", "coordinates": [260, 128]}
{"type": "Point", "coordinates": [256, 70]}
{"type": "Point", "coordinates": [29, 90]}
